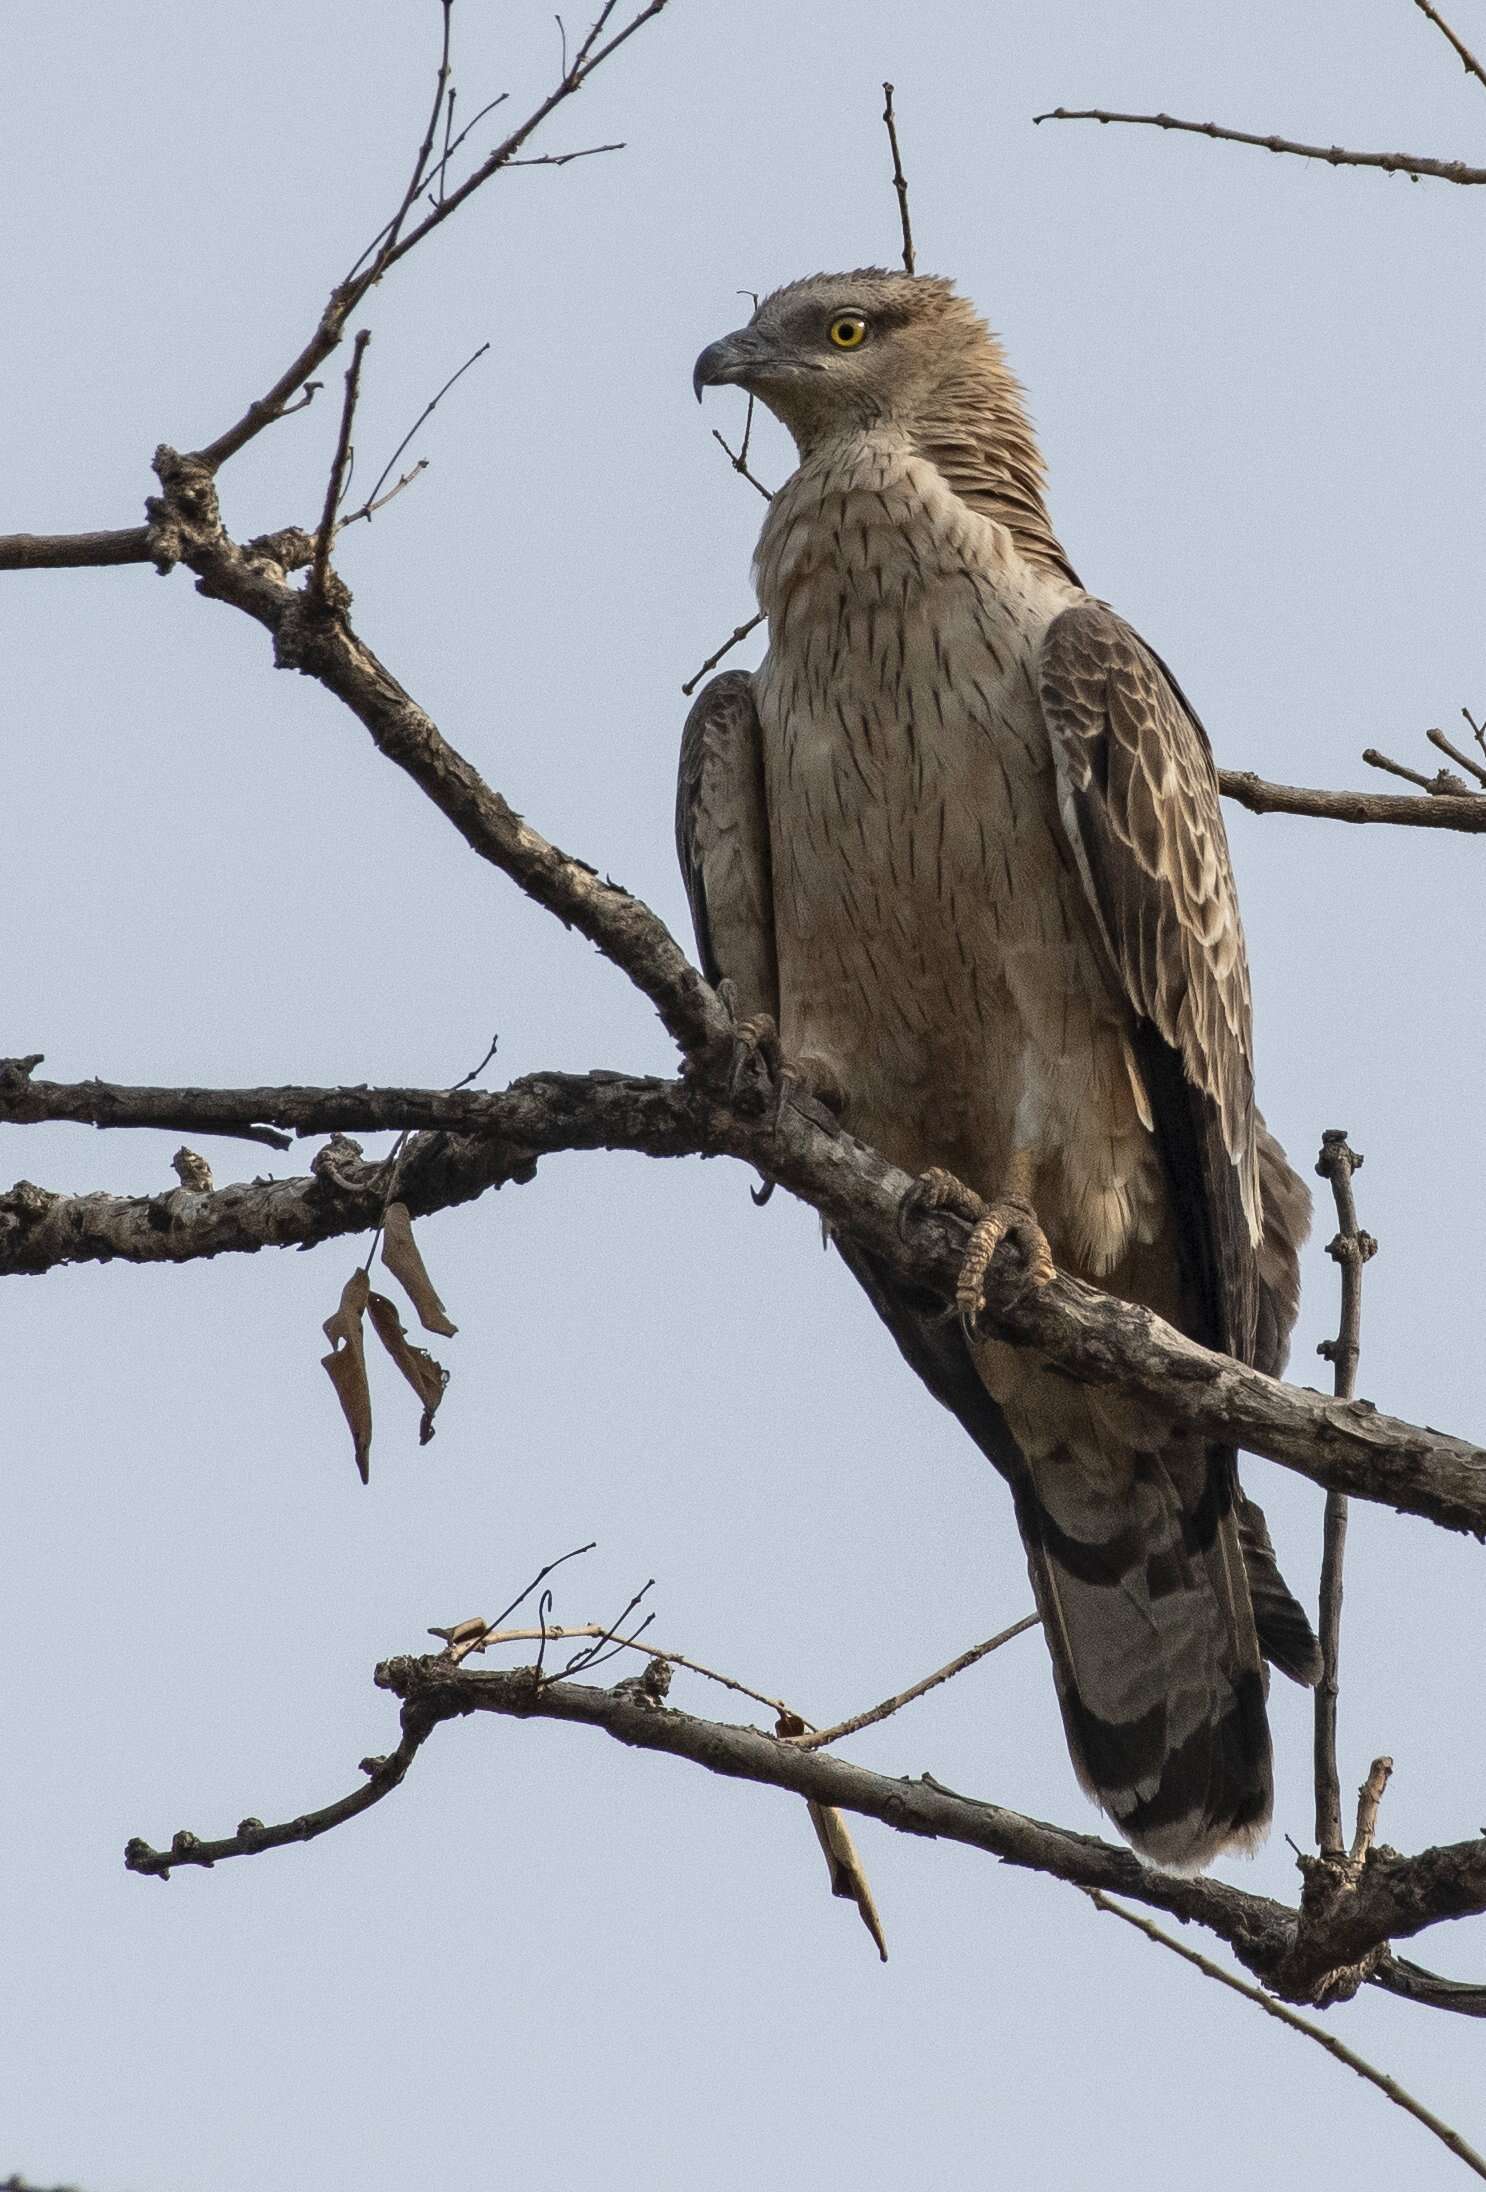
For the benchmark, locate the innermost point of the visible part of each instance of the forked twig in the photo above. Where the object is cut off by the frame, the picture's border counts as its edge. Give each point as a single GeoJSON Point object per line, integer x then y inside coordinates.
{"type": "Point", "coordinates": [1468, 762]}
{"type": "Point", "coordinates": [1444, 784]}
{"type": "Point", "coordinates": [1272, 2008]}
{"type": "Point", "coordinates": [559, 1633]}
{"type": "Point", "coordinates": [371, 504]}
{"type": "Point", "coordinates": [738, 458]}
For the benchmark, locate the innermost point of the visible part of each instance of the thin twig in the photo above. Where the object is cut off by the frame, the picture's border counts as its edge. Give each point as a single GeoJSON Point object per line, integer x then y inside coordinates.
{"type": "Point", "coordinates": [590, 1657]}
{"type": "Point", "coordinates": [596, 1630]}
{"type": "Point", "coordinates": [1351, 1248]}
{"type": "Point", "coordinates": [738, 459]}
{"type": "Point", "coordinates": [819, 1737]}
{"type": "Point", "coordinates": [1468, 60]}
{"type": "Point", "coordinates": [384, 1775]}
{"type": "Point", "coordinates": [594, 32]}
{"type": "Point", "coordinates": [561, 159]}
{"type": "Point", "coordinates": [900, 180]}
{"type": "Point", "coordinates": [436, 186]}
{"type": "Point", "coordinates": [734, 639]}
{"type": "Point", "coordinates": [461, 1644]}
{"type": "Point", "coordinates": [1390, 767]}
{"type": "Point", "coordinates": [399, 486]}
{"type": "Point", "coordinates": [393, 242]}
{"type": "Point", "coordinates": [335, 485]}
{"type": "Point", "coordinates": [386, 237]}
{"type": "Point", "coordinates": [1395, 163]}
{"type": "Point", "coordinates": [425, 414]}
{"type": "Point", "coordinates": [1471, 766]}
{"type": "Point", "coordinates": [1272, 2008]}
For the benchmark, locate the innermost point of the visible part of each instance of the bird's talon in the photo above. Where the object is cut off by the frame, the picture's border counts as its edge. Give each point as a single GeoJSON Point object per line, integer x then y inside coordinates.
{"type": "Point", "coordinates": [939, 1190]}
{"type": "Point", "coordinates": [808, 1083]}
{"type": "Point", "coordinates": [1013, 1219]}
{"type": "Point", "coordinates": [755, 1042]}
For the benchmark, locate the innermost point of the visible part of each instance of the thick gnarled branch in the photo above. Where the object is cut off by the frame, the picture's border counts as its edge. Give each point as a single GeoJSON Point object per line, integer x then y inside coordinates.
{"type": "Point", "coordinates": [477, 1141]}
{"type": "Point", "coordinates": [315, 638]}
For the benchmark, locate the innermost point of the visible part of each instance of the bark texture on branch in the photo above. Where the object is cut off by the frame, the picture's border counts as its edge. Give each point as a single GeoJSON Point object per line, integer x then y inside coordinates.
{"type": "Point", "coordinates": [314, 637]}
{"type": "Point", "coordinates": [1321, 1953]}
{"type": "Point", "coordinates": [1443, 811]}
{"type": "Point", "coordinates": [1346, 1446]}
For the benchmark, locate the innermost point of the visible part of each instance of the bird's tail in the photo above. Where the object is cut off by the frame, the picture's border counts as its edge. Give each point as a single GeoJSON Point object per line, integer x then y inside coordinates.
{"type": "Point", "coordinates": [1139, 1572]}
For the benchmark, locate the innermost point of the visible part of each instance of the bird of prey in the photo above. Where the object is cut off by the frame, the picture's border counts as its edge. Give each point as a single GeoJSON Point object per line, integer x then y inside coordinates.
{"type": "Point", "coordinates": [956, 848]}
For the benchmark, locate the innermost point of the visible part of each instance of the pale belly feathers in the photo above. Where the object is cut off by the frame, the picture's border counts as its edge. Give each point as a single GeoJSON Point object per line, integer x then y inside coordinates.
{"type": "Point", "coordinates": [936, 953]}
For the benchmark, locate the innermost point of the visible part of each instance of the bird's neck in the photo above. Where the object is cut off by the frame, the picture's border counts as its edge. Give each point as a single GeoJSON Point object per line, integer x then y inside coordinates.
{"type": "Point", "coordinates": [980, 441]}
{"type": "Point", "coordinates": [879, 507]}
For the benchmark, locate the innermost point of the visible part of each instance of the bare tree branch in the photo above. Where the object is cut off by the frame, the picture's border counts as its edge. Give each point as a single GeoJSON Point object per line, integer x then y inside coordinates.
{"type": "Point", "coordinates": [372, 505]}
{"type": "Point", "coordinates": [32, 551]}
{"type": "Point", "coordinates": [816, 1738]}
{"type": "Point", "coordinates": [1351, 1248]}
{"type": "Point", "coordinates": [1394, 163]}
{"type": "Point", "coordinates": [187, 528]}
{"type": "Point", "coordinates": [1468, 762]}
{"type": "Point", "coordinates": [734, 639]}
{"type": "Point", "coordinates": [900, 180]}
{"type": "Point", "coordinates": [335, 486]}
{"type": "Point", "coordinates": [478, 1140]}
{"type": "Point", "coordinates": [1304, 1955]}
{"type": "Point", "coordinates": [74, 551]}
{"type": "Point", "coordinates": [1467, 59]}
{"type": "Point", "coordinates": [1465, 811]}
{"type": "Point", "coordinates": [1334, 2047]}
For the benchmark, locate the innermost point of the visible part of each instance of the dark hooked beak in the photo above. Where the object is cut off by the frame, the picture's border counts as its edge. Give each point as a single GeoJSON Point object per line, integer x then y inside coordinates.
{"type": "Point", "coordinates": [732, 359]}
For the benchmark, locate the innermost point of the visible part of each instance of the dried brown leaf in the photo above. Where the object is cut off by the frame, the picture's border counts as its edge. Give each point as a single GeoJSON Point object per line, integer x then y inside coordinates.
{"type": "Point", "coordinates": [346, 1364]}
{"type": "Point", "coordinates": [400, 1255]}
{"type": "Point", "coordinates": [427, 1377]}
{"type": "Point", "coordinates": [847, 1877]}
{"type": "Point", "coordinates": [462, 1631]}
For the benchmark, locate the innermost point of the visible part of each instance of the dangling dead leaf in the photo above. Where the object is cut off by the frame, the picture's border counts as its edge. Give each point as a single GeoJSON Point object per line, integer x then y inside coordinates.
{"type": "Point", "coordinates": [346, 1364]}
{"type": "Point", "coordinates": [847, 1877]}
{"type": "Point", "coordinates": [400, 1254]}
{"type": "Point", "coordinates": [427, 1377]}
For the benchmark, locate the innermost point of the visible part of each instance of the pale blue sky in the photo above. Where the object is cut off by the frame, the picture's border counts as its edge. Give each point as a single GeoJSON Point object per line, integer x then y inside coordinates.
{"type": "Point", "coordinates": [546, 1962]}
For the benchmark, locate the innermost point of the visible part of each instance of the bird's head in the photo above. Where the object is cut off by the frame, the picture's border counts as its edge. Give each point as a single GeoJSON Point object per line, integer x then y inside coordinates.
{"type": "Point", "coordinates": [852, 351]}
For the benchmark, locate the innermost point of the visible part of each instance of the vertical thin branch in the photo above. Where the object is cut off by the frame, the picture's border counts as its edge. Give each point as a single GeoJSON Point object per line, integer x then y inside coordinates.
{"type": "Point", "coordinates": [1351, 1249]}
{"type": "Point", "coordinates": [900, 180]}
{"type": "Point", "coordinates": [335, 486]}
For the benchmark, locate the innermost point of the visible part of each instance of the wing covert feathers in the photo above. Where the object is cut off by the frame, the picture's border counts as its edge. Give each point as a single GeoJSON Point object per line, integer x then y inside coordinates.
{"type": "Point", "coordinates": [1138, 795]}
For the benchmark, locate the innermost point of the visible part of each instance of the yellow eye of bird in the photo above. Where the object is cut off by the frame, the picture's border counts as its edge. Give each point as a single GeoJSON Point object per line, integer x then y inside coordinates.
{"type": "Point", "coordinates": [848, 332]}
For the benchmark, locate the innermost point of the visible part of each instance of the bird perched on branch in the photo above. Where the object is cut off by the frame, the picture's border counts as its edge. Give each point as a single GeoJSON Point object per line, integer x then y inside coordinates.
{"type": "Point", "coordinates": [956, 846]}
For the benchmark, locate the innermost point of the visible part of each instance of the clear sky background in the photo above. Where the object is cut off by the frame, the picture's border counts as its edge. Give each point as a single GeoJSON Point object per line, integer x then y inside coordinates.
{"type": "Point", "coordinates": [547, 1962]}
